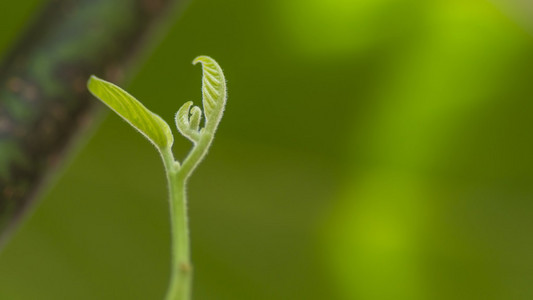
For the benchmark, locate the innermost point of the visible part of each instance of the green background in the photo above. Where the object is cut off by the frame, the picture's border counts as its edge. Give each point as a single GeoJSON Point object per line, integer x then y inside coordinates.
{"type": "Point", "coordinates": [370, 149]}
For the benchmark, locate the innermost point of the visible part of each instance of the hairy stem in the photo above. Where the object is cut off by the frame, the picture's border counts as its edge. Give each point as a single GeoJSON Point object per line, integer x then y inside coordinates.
{"type": "Point", "coordinates": [181, 267]}
{"type": "Point", "coordinates": [196, 155]}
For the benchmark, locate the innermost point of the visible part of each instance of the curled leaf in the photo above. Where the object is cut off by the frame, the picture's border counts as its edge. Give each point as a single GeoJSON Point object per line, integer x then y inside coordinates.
{"type": "Point", "coordinates": [196, 117]}
{"type": "Point", "coordinates": [183, 122]}
{"type": "Point", "coordinates": [155, 129]}
{"type": "Point", "coordinates": [182, 117]}
{"type": "Point", "coordinates": [213, 90]}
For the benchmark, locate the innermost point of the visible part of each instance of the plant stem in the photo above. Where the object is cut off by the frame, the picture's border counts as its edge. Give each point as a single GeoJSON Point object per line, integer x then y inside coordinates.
{"type": "Point", "coordinates": [181, 267]}
{"type": "Point", "coordinates": [197, 154]}
{"type": "Point", "coordinates": [181, 278]}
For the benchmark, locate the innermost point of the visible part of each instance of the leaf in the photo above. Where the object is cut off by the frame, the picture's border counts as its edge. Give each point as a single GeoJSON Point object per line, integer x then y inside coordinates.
{"type": "Point", "coordinates": [213, 90]}
{"type": "Point", "coordinates": [155, 129]}
{"type": "Point", "coordinates": [196, 118]}
{"type": "Point", "coordinates": [188, 127]}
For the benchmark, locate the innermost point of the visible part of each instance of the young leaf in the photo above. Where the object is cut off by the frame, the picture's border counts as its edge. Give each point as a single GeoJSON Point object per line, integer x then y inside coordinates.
{"type": "Point", "coordinates": [183, 122]}
{"type": "Point", "coordinates": [213, 90]}
{"type": "Point", "coordinates": [196, 118]}
{"type": "Point", "coordinates": [130, 109]}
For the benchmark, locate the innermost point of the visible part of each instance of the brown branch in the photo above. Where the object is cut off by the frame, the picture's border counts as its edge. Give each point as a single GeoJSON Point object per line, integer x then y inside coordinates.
{"type": "Point", "coordinates": [43, 100]}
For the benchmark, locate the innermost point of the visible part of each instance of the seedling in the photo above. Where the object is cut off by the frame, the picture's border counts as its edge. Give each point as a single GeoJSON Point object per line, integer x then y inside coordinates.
{"type": "Point", "coordinates": [157, 131]}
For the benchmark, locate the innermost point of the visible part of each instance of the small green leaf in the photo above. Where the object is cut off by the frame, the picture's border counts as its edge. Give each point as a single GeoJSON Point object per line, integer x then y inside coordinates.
{"type": "Point", "coordinates": [155, 129]}
{"type": "Point", "coordinates": [196, 118]}
{"type": "Point", "coordinates": [182, 116]}
{"type": "Point", "coordinates": [183, 122]}
{"type": "Point", "coordinates": [213, 90]}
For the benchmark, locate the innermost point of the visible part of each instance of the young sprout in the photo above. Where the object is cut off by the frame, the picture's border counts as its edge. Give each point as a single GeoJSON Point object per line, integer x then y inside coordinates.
{"type": "Point", "coordinates": [157, 131]}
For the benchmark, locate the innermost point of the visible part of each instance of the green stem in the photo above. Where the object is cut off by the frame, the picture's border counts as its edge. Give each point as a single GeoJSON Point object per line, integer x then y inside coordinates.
{"type": "Point", "coordinates": [197, 154]}
{"type": "Point", "coordinates": [181, 268]}
{"type": "Point", "coordinates": [181, 278]}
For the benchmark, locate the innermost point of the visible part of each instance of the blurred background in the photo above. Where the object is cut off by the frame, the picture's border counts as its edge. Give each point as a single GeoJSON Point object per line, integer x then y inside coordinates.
{"type": "Point", "coordinates": [371, 149]}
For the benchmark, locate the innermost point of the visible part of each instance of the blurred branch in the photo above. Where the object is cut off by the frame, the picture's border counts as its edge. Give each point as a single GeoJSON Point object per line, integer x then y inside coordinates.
{"type": "Point", "coordinates": [43, 99]}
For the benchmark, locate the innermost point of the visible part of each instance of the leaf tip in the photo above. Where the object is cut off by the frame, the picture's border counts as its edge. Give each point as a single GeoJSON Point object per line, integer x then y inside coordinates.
{"type": "Point", "coordinates": [91, 81]}
{"type": "Point", "coordinates": [94, 83]}
{"type": "Point", "coordinates": [202, 59]}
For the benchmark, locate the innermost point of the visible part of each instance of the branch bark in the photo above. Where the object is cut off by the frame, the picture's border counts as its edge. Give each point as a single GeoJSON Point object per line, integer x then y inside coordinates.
{"type": "Point", "coordinates": [44, 102]}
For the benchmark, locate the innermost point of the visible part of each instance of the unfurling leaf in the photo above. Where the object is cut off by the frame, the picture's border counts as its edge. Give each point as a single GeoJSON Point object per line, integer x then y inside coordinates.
{"type": "Point", "coordinates": [213, 91]}
{"type": "Point", "coordinates": [155, 129]}
{"type": "Point", "coordinates": [182, 117]}
{"type": "Point", "coordinates": [188, 127]}
{"type": "Point", "coordinates": [196, 117]}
